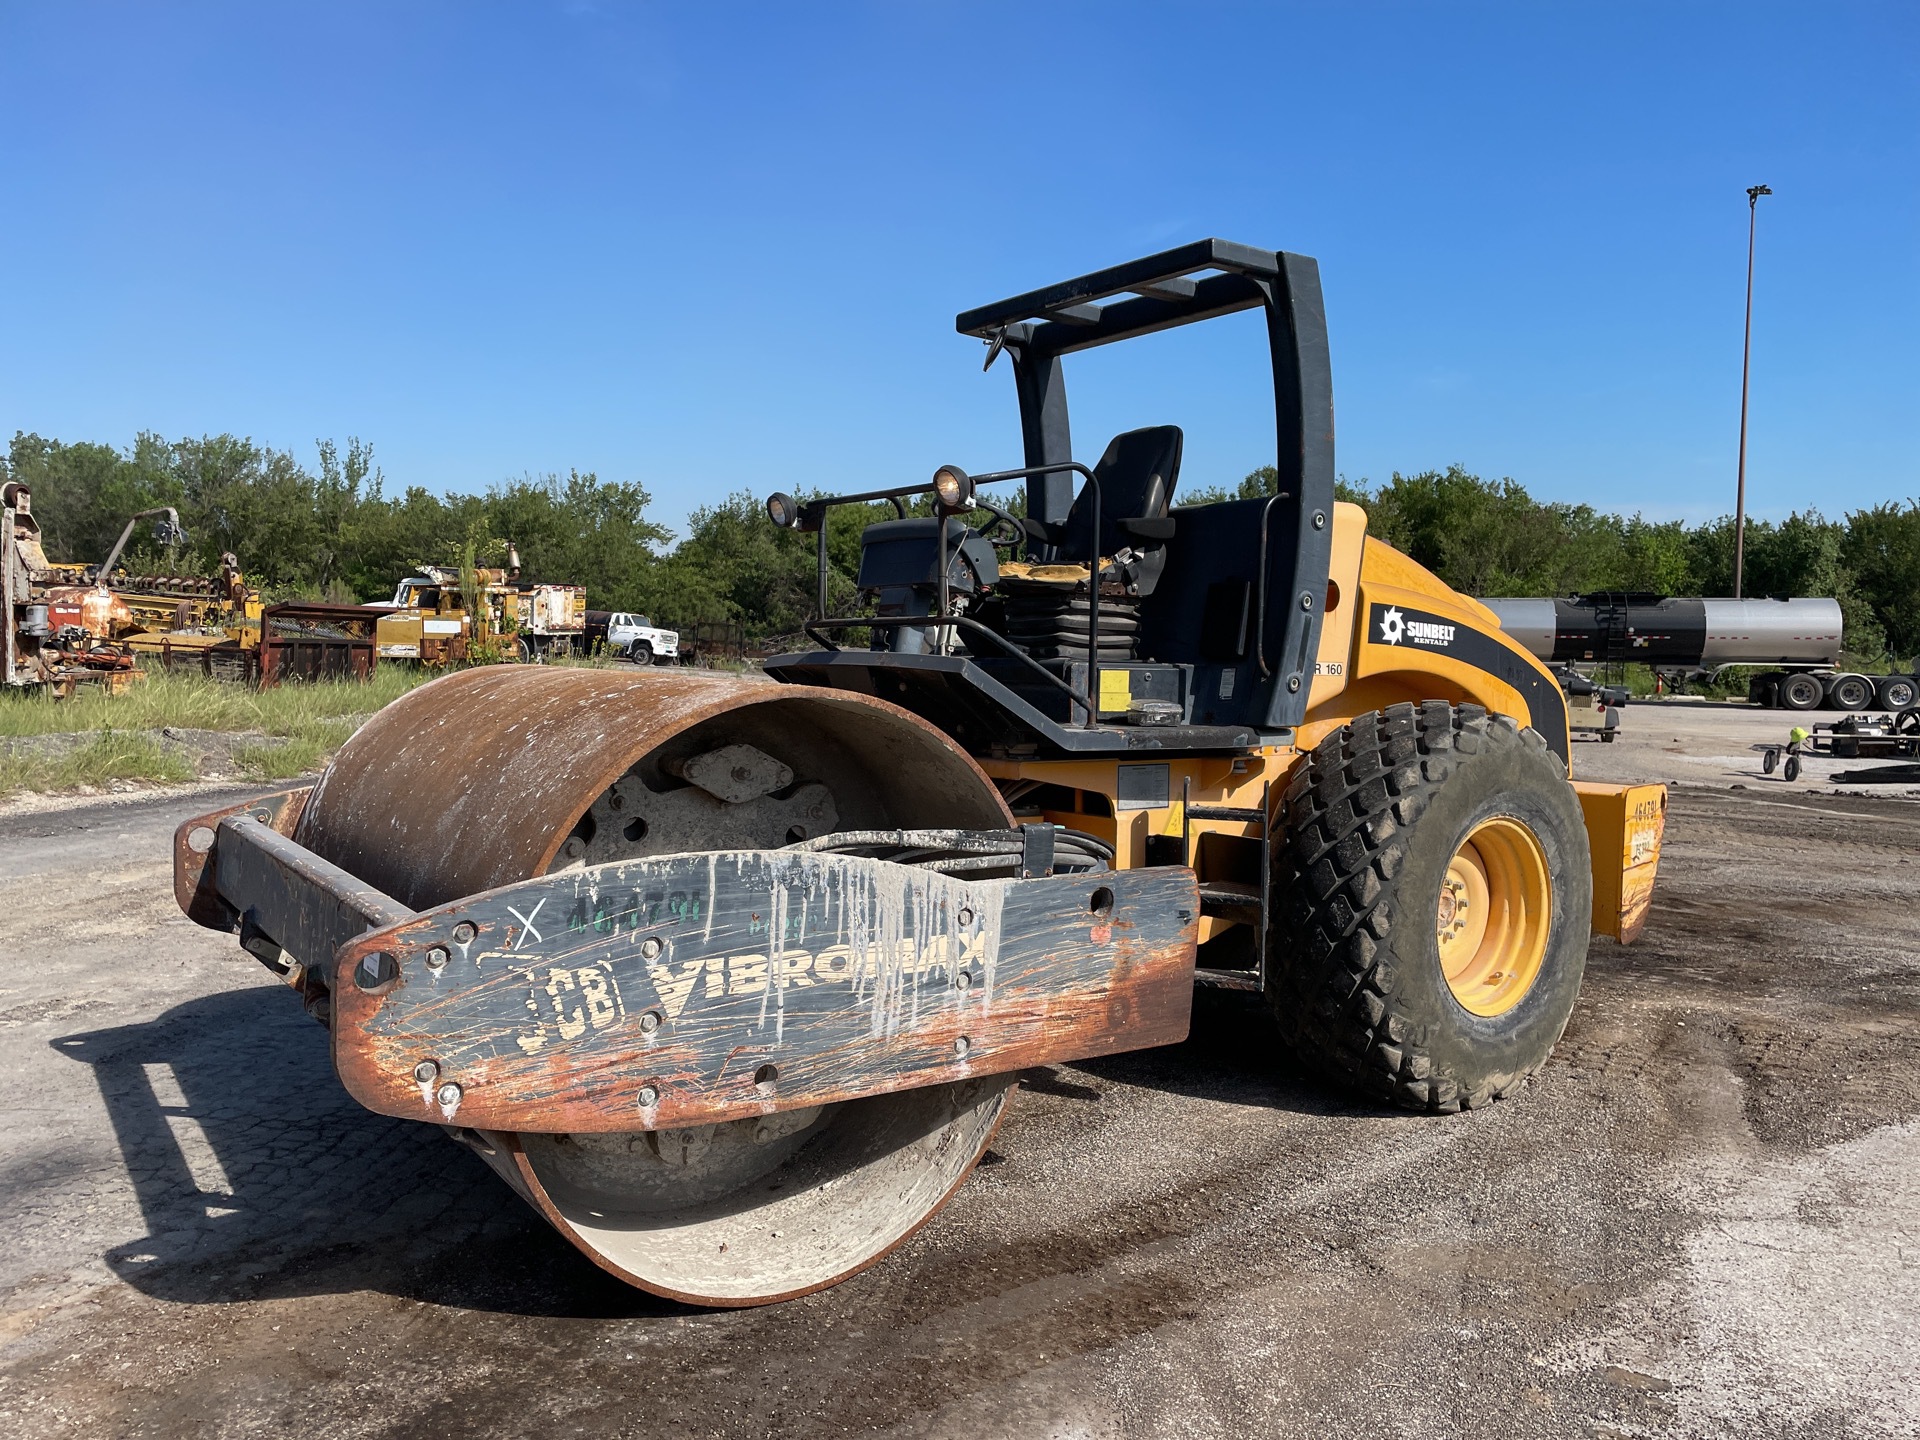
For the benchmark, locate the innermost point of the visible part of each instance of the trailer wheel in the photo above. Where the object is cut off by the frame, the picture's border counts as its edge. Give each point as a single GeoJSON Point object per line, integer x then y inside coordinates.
{"type": "Point", "coordinates": [1801, 691]}
{"type": "Point", "coordinates": [1850, 692]}
{"type": "Point", "coordinates": [1769, 762]}
{"type": "Point", "coordinates": [1434, 905]}
{"type": "Point", "coordinates": [1791, 770]}
{"type": "Point", "coordinates": [1896, 692]}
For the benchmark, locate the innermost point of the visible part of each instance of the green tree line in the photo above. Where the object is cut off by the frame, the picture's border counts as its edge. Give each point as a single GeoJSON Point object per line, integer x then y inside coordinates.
{"type": "Point", "coordinates": [332, 532]}
{"type": "Point", "coordinates": [1490, 537]}
{"type": "Point", "coordinates": [335, 531]}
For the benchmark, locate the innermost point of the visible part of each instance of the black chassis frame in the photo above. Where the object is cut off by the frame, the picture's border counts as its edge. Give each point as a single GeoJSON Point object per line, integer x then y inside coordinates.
{"type": "Point", "coordinates": [1199, 281]}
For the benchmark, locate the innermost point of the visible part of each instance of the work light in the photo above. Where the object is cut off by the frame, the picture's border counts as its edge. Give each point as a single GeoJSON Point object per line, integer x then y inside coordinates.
{"type": "Point", "coordinates": [954, 487]}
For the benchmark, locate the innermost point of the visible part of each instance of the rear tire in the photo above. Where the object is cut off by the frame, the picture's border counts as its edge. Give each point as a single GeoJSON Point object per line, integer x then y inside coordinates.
{"type": "Point", "coordinates": [1896, 692]}
{"type": "Point", "coordinates": [1801, 691]}
{"type": "Point", "coordinates": [1769, 762]}
{"type": "Point", "coordinates": [1377, 824]}
{"type": "Point", "coordinates": [1791, 770]}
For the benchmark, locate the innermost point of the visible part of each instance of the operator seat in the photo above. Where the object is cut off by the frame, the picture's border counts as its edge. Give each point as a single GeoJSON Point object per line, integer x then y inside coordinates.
{"type": "Point", "coordinates": [1045, 606]}
{"type": "Point", "coordinates": [1137, 473]}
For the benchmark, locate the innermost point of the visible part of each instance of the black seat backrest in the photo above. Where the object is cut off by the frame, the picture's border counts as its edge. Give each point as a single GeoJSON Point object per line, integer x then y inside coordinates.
{"type": "Point", "coordinates": [1137, 475]}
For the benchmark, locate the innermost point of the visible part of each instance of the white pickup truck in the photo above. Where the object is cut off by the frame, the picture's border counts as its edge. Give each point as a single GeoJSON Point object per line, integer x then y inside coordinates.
{"type": "Point", "coordinates": [640, 640]}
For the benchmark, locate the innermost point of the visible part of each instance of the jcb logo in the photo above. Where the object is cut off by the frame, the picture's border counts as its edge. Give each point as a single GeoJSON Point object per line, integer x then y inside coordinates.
{"type": "Point", "coordinates": [575, 1001]}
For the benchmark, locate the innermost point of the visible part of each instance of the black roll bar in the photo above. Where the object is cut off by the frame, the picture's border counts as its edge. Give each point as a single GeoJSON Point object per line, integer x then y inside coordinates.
{"type": "Point", "coordinates": [1200, 281]}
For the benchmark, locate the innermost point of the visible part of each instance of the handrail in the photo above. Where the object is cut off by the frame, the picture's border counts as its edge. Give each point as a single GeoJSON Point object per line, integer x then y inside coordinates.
{"type": "Point", "coordinates": [1260, 605]}
{"type": "Point", "coordinates": [1093, 566]}
{"type": "Point", "coordinates": [942, 622]}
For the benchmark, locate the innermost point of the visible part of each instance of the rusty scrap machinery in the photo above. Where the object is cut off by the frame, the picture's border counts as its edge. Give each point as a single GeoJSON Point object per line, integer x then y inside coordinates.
{"type": "Point", "coordinates": [732, 981]}
{"type": "Point", "coordinates": [57, 631]}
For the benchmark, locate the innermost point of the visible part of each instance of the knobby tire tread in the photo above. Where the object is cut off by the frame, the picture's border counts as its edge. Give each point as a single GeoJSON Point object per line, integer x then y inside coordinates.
{"type": "Point", "coordinates": [1345, 814]}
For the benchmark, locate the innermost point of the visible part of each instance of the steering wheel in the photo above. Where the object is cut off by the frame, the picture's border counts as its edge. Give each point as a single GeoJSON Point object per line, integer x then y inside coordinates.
{"type": "Point", "coordinates": [1003, 529]}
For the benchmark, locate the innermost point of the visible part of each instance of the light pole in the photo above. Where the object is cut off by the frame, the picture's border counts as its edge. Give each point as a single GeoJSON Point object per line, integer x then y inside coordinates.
{"type": "Point", "coordinates": [1754, 192]}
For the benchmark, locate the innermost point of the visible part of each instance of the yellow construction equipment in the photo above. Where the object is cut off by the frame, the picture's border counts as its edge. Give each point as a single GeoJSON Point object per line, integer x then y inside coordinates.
{"type": "Point", "coordinates": [195, 622]}
{"type": "Point", "coordinates": [732, 981]}
{"type": "Point", "coordinates": [439, 617]}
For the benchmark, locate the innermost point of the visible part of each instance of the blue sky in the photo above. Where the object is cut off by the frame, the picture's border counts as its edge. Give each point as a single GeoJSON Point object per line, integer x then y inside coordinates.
{"type": "Point", "coordinates": [714, 247]}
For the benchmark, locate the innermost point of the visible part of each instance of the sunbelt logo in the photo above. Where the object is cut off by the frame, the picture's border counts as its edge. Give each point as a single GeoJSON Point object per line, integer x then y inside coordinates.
{"type": "Point", "coordinates": [1397, 629]}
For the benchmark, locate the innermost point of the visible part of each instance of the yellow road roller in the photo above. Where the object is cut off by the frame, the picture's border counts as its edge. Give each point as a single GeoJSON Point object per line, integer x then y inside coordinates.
{"type": "Point", "coordinates": [733, 981]}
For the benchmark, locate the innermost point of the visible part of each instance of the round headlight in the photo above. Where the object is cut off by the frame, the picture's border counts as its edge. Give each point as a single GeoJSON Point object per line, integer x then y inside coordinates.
{"type": "Point", "coordinates": [953, 486]}
{"type": "Point", "coordinates": [782, 510]}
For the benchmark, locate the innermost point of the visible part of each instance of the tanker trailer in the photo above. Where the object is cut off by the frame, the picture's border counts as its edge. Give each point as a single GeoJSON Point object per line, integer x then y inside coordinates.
{"type": "Point", "coordinates": [1792, 645]}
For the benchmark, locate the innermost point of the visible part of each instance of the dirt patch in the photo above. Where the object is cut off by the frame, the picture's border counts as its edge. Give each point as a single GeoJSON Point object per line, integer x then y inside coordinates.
{"type": "Point", "coordinates": [1698, 1218]}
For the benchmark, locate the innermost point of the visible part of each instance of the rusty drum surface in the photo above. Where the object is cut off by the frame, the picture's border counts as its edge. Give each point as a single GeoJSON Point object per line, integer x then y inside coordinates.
{"type": "Point", "coordinates": [491, 776]}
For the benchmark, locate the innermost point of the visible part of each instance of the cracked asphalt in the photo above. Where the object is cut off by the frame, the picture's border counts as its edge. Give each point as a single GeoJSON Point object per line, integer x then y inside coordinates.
{"type": "Point", "coordinates": [1703, 1216]}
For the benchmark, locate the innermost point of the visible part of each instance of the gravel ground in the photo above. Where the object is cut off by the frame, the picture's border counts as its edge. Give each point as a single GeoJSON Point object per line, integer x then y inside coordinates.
{"type": "Point", "coordinates": [1702, 1217]}
{"type": "Point", "coordinates": [1696, 741]}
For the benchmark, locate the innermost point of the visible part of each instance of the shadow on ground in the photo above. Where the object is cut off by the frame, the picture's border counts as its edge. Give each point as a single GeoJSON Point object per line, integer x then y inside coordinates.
{"type": "Point", "coordinates": [259, 1178]}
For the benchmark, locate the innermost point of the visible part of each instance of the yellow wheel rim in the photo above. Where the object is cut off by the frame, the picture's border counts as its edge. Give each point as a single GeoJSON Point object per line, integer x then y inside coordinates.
{"type": "Point", "coordinates": [1495, 907]}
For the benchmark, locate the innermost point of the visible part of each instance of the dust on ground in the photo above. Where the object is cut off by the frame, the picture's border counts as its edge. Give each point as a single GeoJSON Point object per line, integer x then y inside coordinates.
{"type": "Point", "coordinates": [1702, 1216]}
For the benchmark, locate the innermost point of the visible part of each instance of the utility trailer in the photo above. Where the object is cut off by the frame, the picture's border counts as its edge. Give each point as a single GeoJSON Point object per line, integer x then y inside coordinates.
{"type": "Point", "coordinates": [1889, 737]}
{"type": "Point", "coordinates": [733, 981]}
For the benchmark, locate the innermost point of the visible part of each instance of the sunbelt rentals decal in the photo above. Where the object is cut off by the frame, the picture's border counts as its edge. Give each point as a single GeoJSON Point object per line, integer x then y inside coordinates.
{"type": "Point", "coordinates": [1393, 626]}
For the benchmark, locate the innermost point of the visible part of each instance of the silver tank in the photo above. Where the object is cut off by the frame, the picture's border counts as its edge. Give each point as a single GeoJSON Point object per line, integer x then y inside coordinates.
{"type": "Point", "coordinates": [1531, 622]}
{"type": "Point", "coordinates": [1674, 630]}
{"type": "Point", "coordinates": [1803, 631]}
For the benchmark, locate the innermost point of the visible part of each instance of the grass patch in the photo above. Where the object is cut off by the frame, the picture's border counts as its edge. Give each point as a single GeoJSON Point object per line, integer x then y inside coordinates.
{"type": "Point", "coordinates": [110, 755]}
{"type": "Point", "coordinates": [308, 722]}
{"type": "Point", "coordinates": [304, 723]}
{"type": "Point", "coordinates": [281, 761]}
{"type": "Point", "coordinates": [327, 709]}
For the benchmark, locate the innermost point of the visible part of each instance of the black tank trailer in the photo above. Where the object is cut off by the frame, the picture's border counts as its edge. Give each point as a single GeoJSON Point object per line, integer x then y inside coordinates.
{"type": "Point", "coordinates": [1792, 646]}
